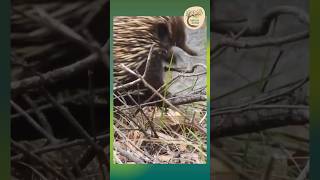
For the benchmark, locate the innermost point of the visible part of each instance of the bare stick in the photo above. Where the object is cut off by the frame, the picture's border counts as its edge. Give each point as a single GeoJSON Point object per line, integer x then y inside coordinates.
{"type": "Point", "coordinates": [33, 122]}
{"type": "Point", "coordinates": [37, 159]}
{"type": "Point", "coordinates": [252, 120]}
{"type": "Point", "coordinates": [128, 155]}
{"type": "Point", "coordinates": [265, 42]}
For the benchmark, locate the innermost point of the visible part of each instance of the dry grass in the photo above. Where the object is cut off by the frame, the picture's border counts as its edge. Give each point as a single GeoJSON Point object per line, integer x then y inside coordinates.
{"type": "Point", "coordinates": [179, 141]}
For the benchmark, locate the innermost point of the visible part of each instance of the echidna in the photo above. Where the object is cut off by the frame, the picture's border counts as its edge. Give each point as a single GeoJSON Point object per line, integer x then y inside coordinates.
{"type": "Point", "coordinates": [133, 37]}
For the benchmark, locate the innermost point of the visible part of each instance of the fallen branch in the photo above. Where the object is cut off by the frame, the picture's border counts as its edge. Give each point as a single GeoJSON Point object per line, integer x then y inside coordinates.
{"type": "Point", "coordinates": [275, 41]}
{"type": "Point", "coordinates": [55, 75]}
{"type": "Point", "coordinates": [257, 27]}
{"type": "Point", "coordinates": [257, 119]}
{"type": "Point", "coordinates": [38, 160]}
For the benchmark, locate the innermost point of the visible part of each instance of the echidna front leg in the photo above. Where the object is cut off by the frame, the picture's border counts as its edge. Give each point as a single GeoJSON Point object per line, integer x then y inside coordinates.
{"type": "Point", "coordinates": [154, 73]}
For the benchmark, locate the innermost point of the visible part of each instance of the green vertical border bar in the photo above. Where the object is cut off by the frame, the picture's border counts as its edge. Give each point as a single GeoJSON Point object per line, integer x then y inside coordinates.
{"type": "Point", "coordinates": [4, 90]}
{"type": "Point", "coordinates": [315, 89]}
{"type": "Point", "coordinates": [157, 171]}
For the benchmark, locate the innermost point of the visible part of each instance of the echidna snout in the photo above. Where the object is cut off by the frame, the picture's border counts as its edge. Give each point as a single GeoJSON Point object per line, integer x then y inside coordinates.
{"type": "Point", "coordinates": [173, 33]}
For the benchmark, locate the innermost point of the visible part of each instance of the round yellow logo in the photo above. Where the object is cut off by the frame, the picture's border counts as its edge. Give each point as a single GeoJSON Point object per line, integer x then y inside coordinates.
{"type": "Point", "coordinates": [194, 17]}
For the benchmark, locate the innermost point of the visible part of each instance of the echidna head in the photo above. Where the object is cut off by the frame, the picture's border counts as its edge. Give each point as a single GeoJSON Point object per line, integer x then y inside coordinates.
{"type": "Point", "coordinates": [133, 37]}
{"type": "Point", "coordinates": [172, 33]}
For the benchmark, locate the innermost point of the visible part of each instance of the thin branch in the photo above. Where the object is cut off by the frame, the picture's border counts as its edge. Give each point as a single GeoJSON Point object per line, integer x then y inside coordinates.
{"type": "Point", "coordinates": [275, 41]}
{"type": "Point", "coordinates": [55, 75]}
{"type": "Point", "coordinates": [41, 116]}
{"type": "Point", "coordinates": [253, 120]}
{"type": "Point", "coordinates": [261, 26]}
{"type": "Point", "coordinates": [304, 174]}
{"type": "Point", "coordinates": [61, 146]}
{"type": "Point", "coordinates": [79, 96]}
{"type": "Point", "coordinates": [33, 122]}
{"type": "Point", "coordinates": [128, 155]}
{"type": "Point", "coordinates": [72, 120]}
{"type": "Point", "coordinates": [37, 159]}
{"type": "Point", "coordinates": [265, 84]}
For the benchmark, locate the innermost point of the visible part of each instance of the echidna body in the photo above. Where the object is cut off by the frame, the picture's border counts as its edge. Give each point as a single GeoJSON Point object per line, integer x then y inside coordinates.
{"type": "Point", "coordinates": [133, 37]}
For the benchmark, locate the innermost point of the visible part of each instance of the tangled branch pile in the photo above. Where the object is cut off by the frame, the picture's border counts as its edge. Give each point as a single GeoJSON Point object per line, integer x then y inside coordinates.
{"type": "Point", "coordinates": [259, 119]}
{"type": "Point", "coordinates": [59, 89]}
